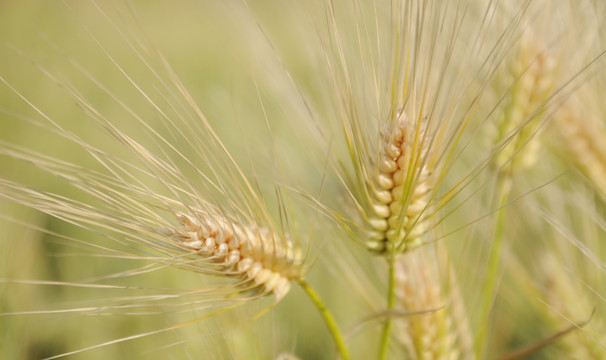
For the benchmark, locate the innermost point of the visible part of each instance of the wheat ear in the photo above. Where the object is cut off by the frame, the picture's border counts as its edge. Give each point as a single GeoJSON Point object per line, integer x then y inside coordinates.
{"type": "Point", "coordinates": [402, 189]}
{"type": "Point", "coordinates": [420, 287]}
{"type": "Point", "coordinates": [257, 256]}
{"type": "Point", "coordinates": [532, 76]}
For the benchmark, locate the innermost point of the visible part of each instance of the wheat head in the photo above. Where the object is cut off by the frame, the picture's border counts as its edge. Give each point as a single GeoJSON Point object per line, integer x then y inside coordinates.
{"type": "Point", "coordinates": [401, 189]}
{"type": "Point", "coordinates": [254, 255]}
{"type": "Point", "coordinates": [532, 73]}
{"type": "Point", "coordinates": [424, 284]}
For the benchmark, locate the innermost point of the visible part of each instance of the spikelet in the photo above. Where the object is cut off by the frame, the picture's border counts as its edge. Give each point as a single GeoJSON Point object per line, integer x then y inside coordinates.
{"type": "Point", "coordinates": [256, 256]}
{"type": "Point", "coordinates": [401, 189]}
{"type": "Point", "coordinates": [443, 332]}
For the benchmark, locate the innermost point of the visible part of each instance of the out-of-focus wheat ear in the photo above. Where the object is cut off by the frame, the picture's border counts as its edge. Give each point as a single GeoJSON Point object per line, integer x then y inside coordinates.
{"type": "Point", "coordinates": [423, 283]}
{"type": "Point", "coordinates": [569, 302]}
{"type": "Point", "coordinates": [401, 189]}
{"type": "Point", "coordinates": [582, 137]}
{"type": "Point", "coordinates": [258, 257]}
{"type": "Point", "coordinates": [531, 76]}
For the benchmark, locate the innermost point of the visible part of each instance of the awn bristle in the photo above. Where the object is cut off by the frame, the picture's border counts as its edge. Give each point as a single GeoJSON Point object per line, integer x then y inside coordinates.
{"type": "Point", "coordinates": [259, 257]}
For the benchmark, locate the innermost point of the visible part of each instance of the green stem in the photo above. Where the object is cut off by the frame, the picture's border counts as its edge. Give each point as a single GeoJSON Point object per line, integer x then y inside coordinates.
{"type": "Point", "coordinates": [492, 272]}
{"type": "Point", "coordinates": [328, 319]}
{"type": "Point", "coordinates": [391, 301]}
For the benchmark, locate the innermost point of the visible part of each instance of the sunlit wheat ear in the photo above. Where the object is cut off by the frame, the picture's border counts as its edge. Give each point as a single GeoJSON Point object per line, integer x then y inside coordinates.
{"type": "Point", "coordinates": [422, 284]}
{"type": "Point", "coordinates": [257, 256]}
{"type": "Point", "coordinates": [401, 188]}
{"type": "Point", "coordinates": [531, 75]}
